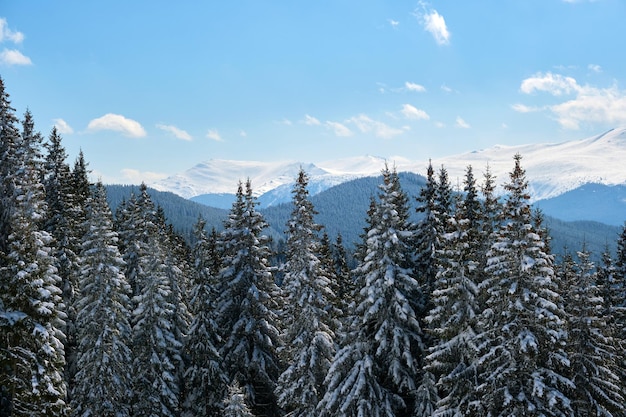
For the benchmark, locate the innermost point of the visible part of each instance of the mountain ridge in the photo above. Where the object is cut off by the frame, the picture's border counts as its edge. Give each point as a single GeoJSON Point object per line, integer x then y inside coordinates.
{"type": "Point", "coordinates": [552, 169]}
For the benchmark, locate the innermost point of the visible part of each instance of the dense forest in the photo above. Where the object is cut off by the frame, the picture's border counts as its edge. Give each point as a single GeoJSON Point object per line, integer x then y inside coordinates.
{"type": "Point", "coordinates": [465, 311]}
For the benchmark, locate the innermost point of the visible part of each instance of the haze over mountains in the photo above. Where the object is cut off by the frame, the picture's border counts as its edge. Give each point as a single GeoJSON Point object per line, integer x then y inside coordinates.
{"type": "Point", "coordinates": [559, 176]}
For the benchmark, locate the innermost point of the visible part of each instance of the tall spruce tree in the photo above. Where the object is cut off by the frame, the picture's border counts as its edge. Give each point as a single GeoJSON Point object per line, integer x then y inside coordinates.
{"type": "Point", "coordinates": [65, 211]}
{"type": "Point", "coordinates": [309, 337]}
{"type": "Point", "coordinates": [32, 355]}
{"type": "Point", "coordinates": [591, 348]}
{"type": "Point", "coordinates": [376, 371]}
{"type": "Point", "coordinates": [156, 348]}
{"type": "Point", "coordinates": [247, 305]}
{"type": "Point", "coordinates": [453, 319]}
{"type": "Point", "coordinates": [103, 380]}
{"type": "Point", "coordinates": [522, 363]}
{"type": "Point", "coordinates": [205, 379]}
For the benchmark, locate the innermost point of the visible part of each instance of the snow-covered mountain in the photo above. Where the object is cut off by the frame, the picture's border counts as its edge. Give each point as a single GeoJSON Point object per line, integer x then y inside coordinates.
{"type": "Point", "coordinates": [551, 169]}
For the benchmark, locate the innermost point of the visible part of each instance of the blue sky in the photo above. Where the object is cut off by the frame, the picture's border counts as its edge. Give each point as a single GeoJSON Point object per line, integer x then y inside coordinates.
{"type": "Point", "coordinates": [148, 89]}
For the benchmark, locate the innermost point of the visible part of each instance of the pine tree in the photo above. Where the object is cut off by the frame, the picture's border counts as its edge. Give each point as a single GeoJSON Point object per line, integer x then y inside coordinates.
{"type": "Point", "coordinates": [32, 351]}
{"type": "Point", "coordinates": [309, 337]}
{"type": "Point", "coordinates": [156, 349]}
{"type": "Point", "coordinates": [205, 380]}
{"type": "Point", "coordinates": [247, 305]}
{"type": "Point", "coordinates": [522, 367]}
{"type": "Point", "coordinates": [235, 404]}
{"type": "Point", "coordinates": [453, 318]}
{"type": "Point", "coordinates": [376, 371]}
{"type": "Point", "coordinates": [103, 381]}
{"type": "Point", "coordinates": [591, 349]}
{"type": "Point", "coordinates": [64, 214]}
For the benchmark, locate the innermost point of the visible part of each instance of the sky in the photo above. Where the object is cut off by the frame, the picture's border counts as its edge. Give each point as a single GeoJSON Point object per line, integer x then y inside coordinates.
{"type": "Point", "coordinates": [147, 89]}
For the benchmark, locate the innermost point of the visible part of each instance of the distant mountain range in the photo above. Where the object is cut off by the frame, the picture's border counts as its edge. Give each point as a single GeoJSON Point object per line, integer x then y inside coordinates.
{"type": "Point", "coordinates": [575, 180]}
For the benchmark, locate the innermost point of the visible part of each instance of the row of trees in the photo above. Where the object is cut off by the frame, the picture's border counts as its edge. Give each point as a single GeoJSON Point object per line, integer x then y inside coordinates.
{"type": "Point", "coordinates": [465, 313]}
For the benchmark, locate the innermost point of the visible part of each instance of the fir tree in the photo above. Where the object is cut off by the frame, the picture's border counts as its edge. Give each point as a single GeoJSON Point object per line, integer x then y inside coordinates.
{"type": "Point", "coordinates": [205, 380]}
{"type": "Point", "coordinates": [103, 381]}
{"type": "Point", "coordinates": [247, 305]}
{"type": "Point", "coordinates": [156, 349]}
{"type": "Point", "coordinates": [376, 372]}
{"type": "Point", "coordinates": [235, 404]}
{"type": "Point", "coordinates": [522, 367]}
{"type": "Point", "coordinates": [453, 318]}
{"type": "Point", "coordinates": [32, 352]}
{"type": "Point", "coordinates": [64, 214]}
{"type": "Point", "coordinates": [591, 350]}
{"type": "Point", "coordinates": [309, 337]}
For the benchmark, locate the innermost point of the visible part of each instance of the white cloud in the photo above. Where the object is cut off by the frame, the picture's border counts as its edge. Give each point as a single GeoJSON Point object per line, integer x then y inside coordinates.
{"type": "Point", "coordinates": [135, 176]}
{"type": "Point", "coordinates": [14, 57]}
{"type": "Point", "coordinates": [554, 84]}
{"type": "Point", "coordinates": [411, 112]}
{"type": "Point", "coordinates": [339, 129]}
{"type": "Point", "coordinates": [178, 133]}
{"type": "Point", "coordinates": [285, 122]}
{"type": "Point", "coordinates": [63, 127]}
{"type": "Point", "coordinates": [440, 125]}
{"type": "Point", "coordinates": [522, 108]}
{"type": "Point", "coordinates": [243, 133]}
{"type": "Point", "coordinates": [461, 123]}
{"type": "Point", "coordinates": [380, 129]}
{"type": "Point", "coordinates": [117, 123]}
{"type": "Point", "coordinates": [434, 23]}
{"type": "Point", "coordinates": [8, 34]}
{"type": "Point", "coordinates": [595, 68]}
{"type": "Point", "coordinates": [214, 135]}
{"type": "Point", "coordinates": [446, 89]}
{"type": "Point", "coordinates": [311, 121]}
{"type": "Point", "coordinates": [393, 23]}
{"type": "Point", "coordinates": [414, 87]}
{"type": "Point", "coordinates": [588, 104]}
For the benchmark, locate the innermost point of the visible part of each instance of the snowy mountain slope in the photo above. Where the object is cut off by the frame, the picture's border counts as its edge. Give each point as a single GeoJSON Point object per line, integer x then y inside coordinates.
{"type": "Point", "coordinates": [551, 169]}
{"type": "Point", "coordinates": [273, 179]}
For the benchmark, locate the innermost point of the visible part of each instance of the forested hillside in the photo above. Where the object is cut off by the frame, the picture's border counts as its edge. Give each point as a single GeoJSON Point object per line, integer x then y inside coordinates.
{"type": "Point", "coordinates": [455, 303]}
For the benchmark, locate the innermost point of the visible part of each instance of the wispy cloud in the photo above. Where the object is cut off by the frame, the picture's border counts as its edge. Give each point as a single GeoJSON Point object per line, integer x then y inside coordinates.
{"type": "Point", "coordinates": [11, 56]}
{"type": "Point", "coordinates": [585, 103]}
{"type": "Point", "coordinates": [339, 129]}
{"type": "Point", "coordinates": [7, 34]}
{"type": "Point", "coordinates": [380, 129]}
{"type": "Point", "coordinates": [434, 23]}
{"type": "Point", "coordinates": [134, 176]}
{"type": "Point", "coordinates": [461, 123]}
{"type": "Point", "coordinates": [595, 68]}
{"type": "Point", "coordinates": [411, 112]}
{"type": "Point", "coordinates": [117, 123]}
{"type": "Point", "coordinates": [414, 87]}
{"type": "Point", "coordinates": [393, 23]}
{"type": "Point", "coordinates": [285, 122]}
{"type": "Point", "coordinates": [522, 108]}
{"type": "Point", "coordinates": [311, 121]}
{"type": "Point", "coordinates": [63, 127]}
{"type": "Point", "coordinates": [14, 57]}
{"type": "Point", "coordinates": [213, 134]}
{"type": "Point", "coordinates": [178, 133]}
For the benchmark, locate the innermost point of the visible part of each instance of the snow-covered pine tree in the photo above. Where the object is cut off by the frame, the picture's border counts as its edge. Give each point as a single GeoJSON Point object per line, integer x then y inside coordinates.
{"type": "Point", "coordinates": [376, 371]}
{"type": "Point", "coordinates": [247, 305]}
{"type": "Point", "coordinates": [65, 211]}
{"type": "Point", "coordinates": [104, 360]}
{"type": "Point", "coordinates": [156, 349]}
{"type": "Point", "coordinates": [32, 352]}
{"type": "Point", "coordinates": [522, 364]}
{"type": "Point", "coordinates": [235, 403]}
{"type": "Point", "coordinates": [309, 337]}
{"type": "Point", "coordinates": [205, 380]}
{"type": "Point", "coordinates": [612, 288]}
{"type": "Point", "coordinates": [453, 319]}
{"type": "Point", "coordinates": [426, 234]}
{"type": "Point", "coordinates": [591, 350]}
